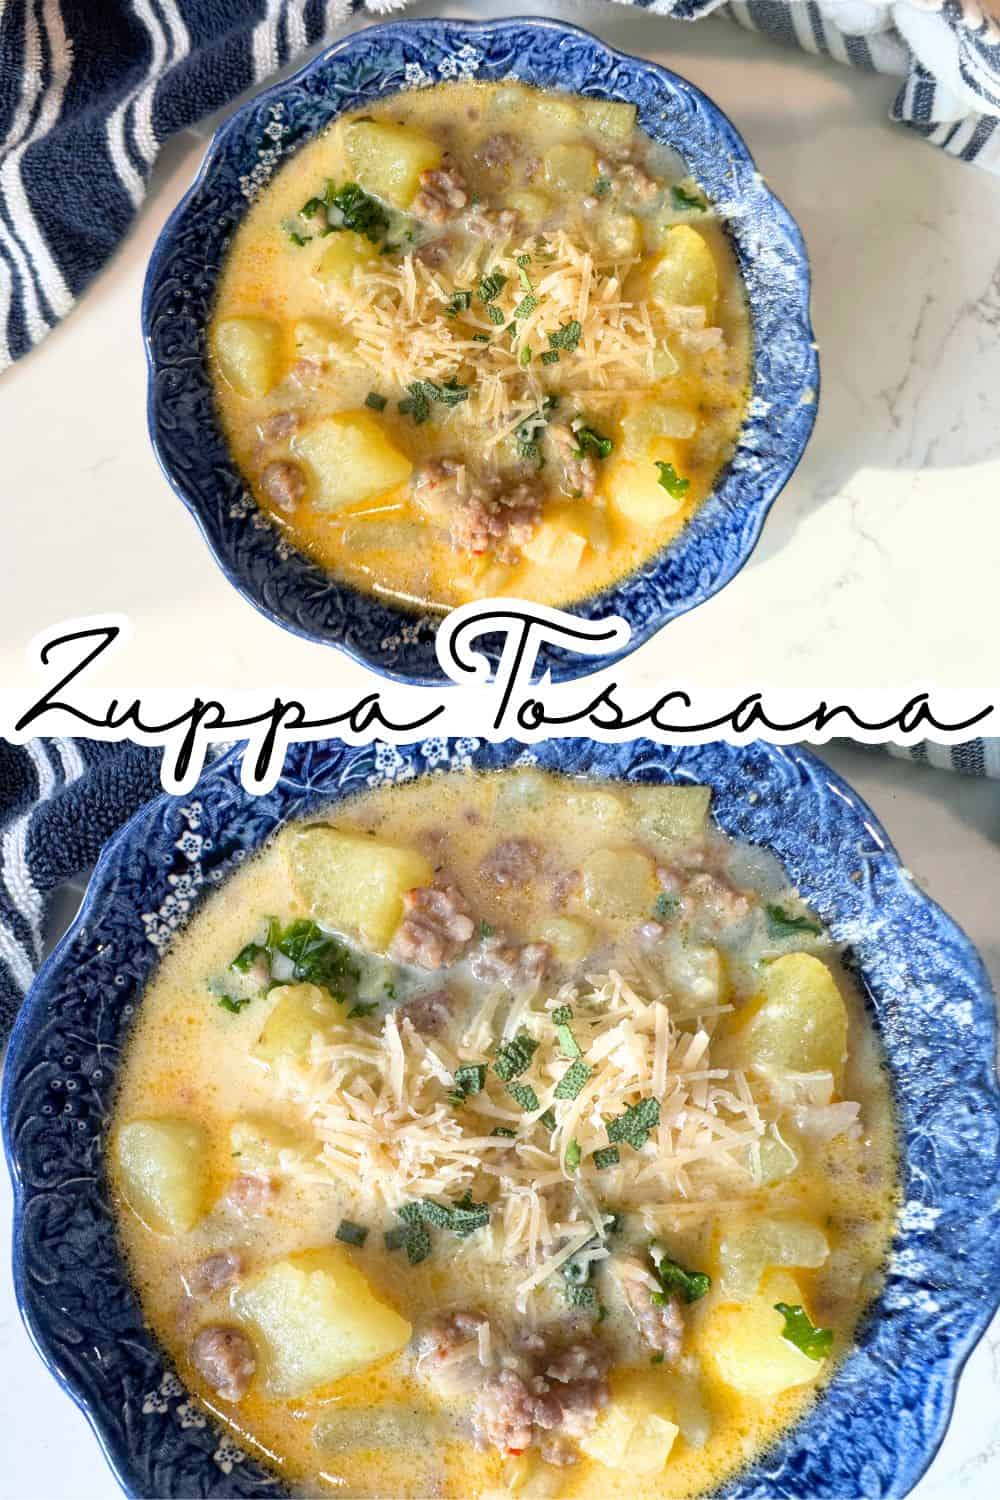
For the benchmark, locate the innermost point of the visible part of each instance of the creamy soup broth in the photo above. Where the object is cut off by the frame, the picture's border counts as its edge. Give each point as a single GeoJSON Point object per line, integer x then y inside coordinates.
{"type": "Point", "coordinates": [481, 339]}
{"type": "Point", "coordinates": [463, 943]}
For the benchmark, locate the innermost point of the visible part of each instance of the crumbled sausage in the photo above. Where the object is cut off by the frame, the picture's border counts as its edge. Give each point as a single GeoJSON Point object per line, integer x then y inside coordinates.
{"type": "Point", "coordinates": [660, 1323]}
{"type": "Point", "coordinates": [435, 928]}
{"type": "Point", "coordinates": [282, 424]}
{"type": "Point", "coordinates": [251, 1194]}
{"type": "Point", "coordinates": [447, 1350]}
{"type": "Point", "coordinates": [224, 1358]}
{"type": "Point", "coordinates": [442, 194]}
{"type": "Point", "coordinates": [284, 483]}
{"type": "Point", "coordinates": [499, 151]}
{"type": "Point", "coordinates": [428, 1013]}
{"type": "Point", "coordinates": [214, 1272]}
{"type": "Point", "coordinates": [511, 862]}
{"type": "Point", "coordinates": [434, 252]}
{"type": "Point", "coordinates": [492, 223]}
{"type": "Point", "coordinates": [579, 469]}
{"type": "Point", "coordinates": [481, 512]}
{"type": "Point", "coordinates": [629, 179]}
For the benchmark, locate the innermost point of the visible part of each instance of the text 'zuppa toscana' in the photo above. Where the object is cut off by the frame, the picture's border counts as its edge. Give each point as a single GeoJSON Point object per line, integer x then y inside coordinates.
{"type": "Point", "coordinates": [505, 1134]}
{"type": "Point", "coordinates": [481, 339]}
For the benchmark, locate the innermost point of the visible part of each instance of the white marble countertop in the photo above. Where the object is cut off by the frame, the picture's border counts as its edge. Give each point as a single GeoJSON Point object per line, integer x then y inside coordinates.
{"type": "Point", "coordinates": [947, 829]}
{"type": "Point", "coordinates": [878, 563]}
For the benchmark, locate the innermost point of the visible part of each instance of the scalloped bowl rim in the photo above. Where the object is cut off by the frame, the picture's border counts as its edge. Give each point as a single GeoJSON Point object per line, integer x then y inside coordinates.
{"type": "Point", "coordinates": [640, 634]}
{"type": "Point", "coordinates": [113, 1441]}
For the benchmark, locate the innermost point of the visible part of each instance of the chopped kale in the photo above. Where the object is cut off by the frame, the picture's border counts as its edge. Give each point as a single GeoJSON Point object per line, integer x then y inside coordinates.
{"type": "Point", "coordinates": [800, 1330]}
{"type": "Point", "coordinates": [375, 401]}
{"type": "Point", "coordinates": [311, 209]}
{"type": "Point", "coordinates": [350, 207]}
{"type": "Point", "coordinates": [566, 336]}
{"type": "Point", "coordinates": [504, 1130]}
{"type": "Point", "coordinates": [634, 1125]}
{"type": "Point", "coordinates": [351, 1234]}
{"type": "Point", "coordinates": [523, 1094]}
{"type": "Point", "coordinates": [781, 924]}
{"type": "Point", "coordinates": [675, 1280]}
{"type": "Point", "coordinates": [249, 955]}
{"type": "Point", "coordinates": [573, 1080]}
{"type": "Point", "coordinates": [232, 1003]}
{"type": "Point", "coordinates": [675, 486]}
{"type": "Point", "coordinates": [589, 441]}
{"type": "Point", "coordinates": [318, 958]}
{"type": "Point", "coordinates": [685, 200]}
{"type": "Point", "coordinates": [486, 929]}
{"type": "Point", "coordinates": [298, 239]}
{"type": "Point", "coordinates": [361, 1009]}
{"type": "Point", "coordinates": [657, 1359]}
{"type": "Point", "coordinates": [482, 338]}
{"type": "Point", "coordinates": [607, 1156]}
{"type": "Point", "coordinates": [514, 1057]}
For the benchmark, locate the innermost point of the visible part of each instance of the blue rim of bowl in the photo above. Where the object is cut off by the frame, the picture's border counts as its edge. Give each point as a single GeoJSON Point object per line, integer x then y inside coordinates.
{"type": "Point", "coordinates": [932, 1001]}
{"type": "Point", "coordinates": [723, 533]}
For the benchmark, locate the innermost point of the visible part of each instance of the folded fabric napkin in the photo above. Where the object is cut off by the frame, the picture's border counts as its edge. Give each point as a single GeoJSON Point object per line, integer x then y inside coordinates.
{"type": "Point", "coordinates": [61, 800]}
{"type": "Point", "coordinates": [90, 90]}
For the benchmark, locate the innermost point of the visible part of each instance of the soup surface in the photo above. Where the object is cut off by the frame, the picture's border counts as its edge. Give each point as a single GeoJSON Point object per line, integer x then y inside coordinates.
{"type": "Point", "coordinates": [505, 1134]}
{"type": "Point", "coordinates": [481, 339]}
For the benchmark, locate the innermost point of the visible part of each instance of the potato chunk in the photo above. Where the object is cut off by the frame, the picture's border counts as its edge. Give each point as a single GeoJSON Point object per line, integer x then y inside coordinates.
{"type": "Point", "coordinates": [632, 1432]}
{"type": "Point", "coordinates": [556, 546]}
{"type": "Point", "coordinates": [316, 338]}
{"type": "Point", "coordinates": [801, 1024]}
{"type": "Point", "coordinates": [352, 882]}
{"type": "Point", "coordinates": [685, 271]}
{"type": "Point", "coordinates": [317, 1320]}
{"type": "Point", "coordinates": [388, 159]}
{"type": "Point", "coordinates": [745, 1346]}
{"type": "Point", "coordinates": [248, 352]}
{"type": "Point", "coordinates": [260, 1144]}
{"type": "Point", "coordinates": [634, 489]}
{"type": "Point", "coordinates": [349, 458]}
{"type": "Point", "coordinates": [619, 884]}
{"type": "Point", "coordinates": [533, 207]}
{"type": "Point", "coordinates": [749, 1248]}
{"type": "Point", "coordinates": [346, 253]}
{"type": "Point", "coordinates": [613, 120]}
{"type": "Point", "coordinates": [569, 940]}
{"type": "Point", "coordinates": [300, 1011]}
{"type": "Point", "coordinates": [655, 419]}
{"type": "Point", "coordinates": [164, 1171]}
{"type": "Point", "coordinates": [671, 814]}
{"type": "Point", "coordinates": [570, 168]}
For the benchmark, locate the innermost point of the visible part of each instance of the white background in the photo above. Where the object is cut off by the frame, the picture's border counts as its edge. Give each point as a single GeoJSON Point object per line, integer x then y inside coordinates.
{"type": "Point", "coordinates": [947, 830]}
{"type": "Point", "coordinates": [877, 564]}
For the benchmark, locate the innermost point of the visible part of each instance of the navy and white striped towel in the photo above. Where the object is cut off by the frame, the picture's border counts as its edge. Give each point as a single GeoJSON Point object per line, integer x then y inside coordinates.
{"type": "Point", "coordinates": [60, 800]}
{"type": "Point", "coordinates": [90, 89]}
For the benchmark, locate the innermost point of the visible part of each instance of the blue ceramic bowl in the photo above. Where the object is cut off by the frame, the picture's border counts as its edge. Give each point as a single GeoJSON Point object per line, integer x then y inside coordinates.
{"type": "Point", "coordinates": [875, 1427]}
{"type": "Point", "coordinates": [180, 289]}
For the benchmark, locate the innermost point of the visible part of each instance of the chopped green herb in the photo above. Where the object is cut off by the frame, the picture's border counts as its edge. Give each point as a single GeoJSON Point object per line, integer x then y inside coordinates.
{"type": "Point", "coordinates": [375, 401]}
{"type": "Point", "coordinates": [523, 262]}
{"type": "Point", "coordinates": [526, 355]}
{"type": "Point", "coordinates": [530, 451]}
{"type": "Point", "coordinates": [395, 1238]}
{"type": "Point", "coordinates": [573, 1080]}
{"type": "Point", "coordinates": [388, 249]}
{"type": "Point", "coordinates": [634, 1125]}
{"type": "Point", "coordinates": [416, 404]}
{"type": "Point", "coordinates": [522, 275]}
{"type": "Point", "coordinates": [350, 1233]}
{"type": "Point", "coordinates": [463, 1217]}
{"type": "Point", "coordinates": [781, 924]}
{"type": "Point", "coordinates": [568, 1044]}
{"type": "Point", "coordinates": [665, 905]}
{"type": "Point", "coordinates": [607, 1156]}
{"type": "Point", "coordinates": [548, 1120]}
{"type": "Point", "coordinates": [685, 200]}
{"type": "Point", "coordinates": [602, 187]}
{"type": "Point", "coordinates": [550, 357]}
{"type": "Point", "coordinates": [675, 486]}
{"type": "Point", "coordinates": [249, 955]}
{"type": "Point", "coordinates": [573, 1153]}
{"type": "Point", "coordinates": [232, 1003]}
{"type": "Point", "coordinates": [361, 1009]}
{"type": "Point", "coordinates": [481, 338]}
{"type": "Point", "coordinates": [675, 1280]}
{"type": "Point", "coordinates": [491, 286]}
{"type": "Point", "coordinates": [562, 1015]}
{"type": "Point", "coordinates": [450, 393]}
{"type": "Point", "coordinates": [526, 305]}
{"type": "Point", "coordinates": [311, 209]}
{"type": "Point", "coordinates": [460, 301]}
{"type": "Point", "coordinates": [589, 441]}
{"type": "Point", "coordinates": [523, 1094]}
{"type": "Point", "coordinates": [390, 990]}
{"type": "Point", "coordinates": [503, 1130]}
{"type": "Point", "coordinates": [514, 1057]}
{"type": "Point", "coordinates": [800, 1330]}
{"type": "Point", "coordinates": [486, 930]}
{"type": "Point", "coordinates": [298, 239]}
{"type": "Point", "coordinates": [566, 336]}
{"type": "Point", "coordinates": [470, 1078]}
{"type": "Point", "coordinates": [581, 1295]}
{"type": "Point", "coordinates": [495, 315]}
{"type": "Point", "coordinates": [350, 207]}
{"type": "Point", "coordinates": [657, 1359]}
